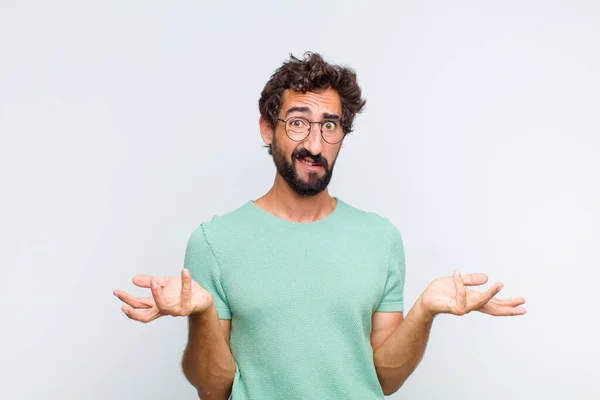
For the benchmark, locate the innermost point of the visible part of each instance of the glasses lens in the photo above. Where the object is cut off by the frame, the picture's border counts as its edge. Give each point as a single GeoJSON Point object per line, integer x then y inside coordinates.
{"type": "Point", "coordinates": [297, 128]}
{"type": "Point", "coordinates": [332, 132]}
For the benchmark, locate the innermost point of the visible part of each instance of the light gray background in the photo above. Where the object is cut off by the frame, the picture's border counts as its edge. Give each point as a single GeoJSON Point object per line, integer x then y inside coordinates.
{"type": "Point", "coordinates": [124, 124]}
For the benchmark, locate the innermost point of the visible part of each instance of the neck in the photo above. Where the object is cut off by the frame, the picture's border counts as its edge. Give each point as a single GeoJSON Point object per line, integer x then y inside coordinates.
{"type": "Point", "coordinates": [283, 202]}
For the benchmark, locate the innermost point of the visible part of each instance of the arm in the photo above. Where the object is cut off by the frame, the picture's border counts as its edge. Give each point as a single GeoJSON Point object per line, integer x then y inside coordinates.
{"type": "Point", "coordinates": [207, 360]}
{"type": "Point", "coordinates": [398, 356]}
{"type": "Point", "coordinates": [402, 351]}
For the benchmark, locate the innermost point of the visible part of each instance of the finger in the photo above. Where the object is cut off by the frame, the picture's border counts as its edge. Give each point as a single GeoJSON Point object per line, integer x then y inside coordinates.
{"type": "Point", "coordinates": [508, 302]}
{"type": "Point", "coordinates": [502, 310]}
{"type": "Point", "coordinates": [490, 293]}
{"type": "Point", "coordinates": [461, 293]}
{"type": "Point", "coordinates": [159, 296]}
{"type": "Point", "coordinates": [147, 315]}
{"type": "Point", "coordinates": [136, 302]}
{"type": "Point", "coordinates": [145, 280]}
{"type": "Point", "coordinates": [474, 279]}
{"type": "Point", "coordinates": [186, 289]}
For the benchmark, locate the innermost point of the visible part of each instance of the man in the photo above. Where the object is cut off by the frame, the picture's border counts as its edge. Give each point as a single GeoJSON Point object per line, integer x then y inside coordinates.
{"type": "Point", "coordinates": [299, 295]}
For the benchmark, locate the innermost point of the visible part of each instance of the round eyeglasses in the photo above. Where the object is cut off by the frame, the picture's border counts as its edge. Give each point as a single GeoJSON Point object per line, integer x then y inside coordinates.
{"type": "Point", "coordinates": [298, 129]}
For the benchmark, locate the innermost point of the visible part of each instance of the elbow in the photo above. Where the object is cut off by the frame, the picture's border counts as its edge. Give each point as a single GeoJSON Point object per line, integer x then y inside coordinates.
{"type": "Point", "coordinates": [390, 384]}
{"type": "Point", "coordinates": [188, 370]}
{"type": "Point", "coordinates": [220, 391]}
{"type": "Point", "coordinates": [209, 386]}
{"type": "Point", "coordinates": [389, 391]}
{"type": "Point", "coordinates": [191, 373]}
{"type": "Point", "coordinates": [218, 394]}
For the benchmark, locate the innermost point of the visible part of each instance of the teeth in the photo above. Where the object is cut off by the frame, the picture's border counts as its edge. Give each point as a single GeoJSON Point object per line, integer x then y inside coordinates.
{"type": "Point", "coordinates": [309, 163]}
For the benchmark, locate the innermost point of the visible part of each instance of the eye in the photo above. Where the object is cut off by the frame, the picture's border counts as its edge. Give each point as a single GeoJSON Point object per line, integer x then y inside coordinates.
{"type": "Point", "coordinates": [329, 126]}
{"type": "Point", "coordinates": [296, 123]}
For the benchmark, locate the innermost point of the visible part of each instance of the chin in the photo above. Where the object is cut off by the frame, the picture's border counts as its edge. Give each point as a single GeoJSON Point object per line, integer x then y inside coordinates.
{"type": "Point", "coordinates": [308, 193]}
{"type": "Point", "coordinates": [301, 171]}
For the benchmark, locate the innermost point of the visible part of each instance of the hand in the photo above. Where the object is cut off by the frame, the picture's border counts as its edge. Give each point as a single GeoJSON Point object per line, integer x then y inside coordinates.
{"type": "Point", "coordinates": [449, 295]}
{"type": "Point", "coordinates": [170, 296]}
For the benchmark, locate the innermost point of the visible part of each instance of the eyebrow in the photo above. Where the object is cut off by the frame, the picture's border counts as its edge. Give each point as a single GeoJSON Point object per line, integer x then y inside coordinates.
{"type": "Point", "coordinates": [298, 109]}
{"type": "Point", "coordinates": [330, 116]}
{"type": "Point", "coordinates": [307, 110]}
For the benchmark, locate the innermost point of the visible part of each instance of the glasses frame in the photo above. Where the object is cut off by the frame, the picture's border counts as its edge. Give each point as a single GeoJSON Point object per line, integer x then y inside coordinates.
{"type": "Point", "coordinates": [309, 128]}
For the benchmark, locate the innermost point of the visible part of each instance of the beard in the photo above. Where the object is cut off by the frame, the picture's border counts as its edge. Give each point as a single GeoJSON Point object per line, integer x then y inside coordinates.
{"type": "Point", "coordinates": [289, 173]}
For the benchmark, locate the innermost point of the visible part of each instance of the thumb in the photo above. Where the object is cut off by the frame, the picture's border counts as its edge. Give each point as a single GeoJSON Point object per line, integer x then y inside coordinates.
{"type": "Point", "coordinates": [461, 293]}
{"type": "Point", "coordinates": [186, 290]}
{"type": "Point", "coordinates": [158, 294]}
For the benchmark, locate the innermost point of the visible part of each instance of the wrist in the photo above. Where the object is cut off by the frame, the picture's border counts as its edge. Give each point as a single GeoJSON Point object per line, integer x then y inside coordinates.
{"type": "Point", "coordinates": [422, 311]}
{"type": "Point", "coordinates": [206, 306]}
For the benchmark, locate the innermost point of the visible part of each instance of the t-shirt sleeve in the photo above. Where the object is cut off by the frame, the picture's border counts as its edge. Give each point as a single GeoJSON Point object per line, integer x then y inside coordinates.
{"type": "Point", "coordinates": [393, 294]}
{"type": "Point", "coordinates": [204, 268]}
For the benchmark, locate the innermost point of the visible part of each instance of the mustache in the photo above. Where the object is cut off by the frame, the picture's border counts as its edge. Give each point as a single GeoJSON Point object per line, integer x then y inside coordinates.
{"type": "Point", "coordinates": [318, 159]}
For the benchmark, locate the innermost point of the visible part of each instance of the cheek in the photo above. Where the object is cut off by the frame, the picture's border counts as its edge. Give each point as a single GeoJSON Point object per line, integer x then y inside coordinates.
{"type": "Point", "coordinates": [283, 145]}
{"type": "Point", "coordinates": [332, 155]}
{"type": "Point", "coordinates": [292, 149]}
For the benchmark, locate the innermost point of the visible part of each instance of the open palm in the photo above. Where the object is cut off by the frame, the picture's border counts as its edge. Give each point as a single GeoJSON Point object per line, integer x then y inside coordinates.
{"type": "Point", "coordinates": [171, 295]}
{"type": "Point", "coordinates": [450, 295]}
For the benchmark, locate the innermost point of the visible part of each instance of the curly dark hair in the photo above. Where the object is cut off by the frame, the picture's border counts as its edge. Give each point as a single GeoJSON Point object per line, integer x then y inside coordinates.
{"type": "Point", "coordinates": [312, 74]}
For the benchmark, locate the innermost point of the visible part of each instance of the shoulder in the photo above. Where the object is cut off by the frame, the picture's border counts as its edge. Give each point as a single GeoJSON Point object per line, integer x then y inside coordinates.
{"type": "Point", "coordinates": [372, 221]}
{"type": "Point", "coordinates": [220, 226]}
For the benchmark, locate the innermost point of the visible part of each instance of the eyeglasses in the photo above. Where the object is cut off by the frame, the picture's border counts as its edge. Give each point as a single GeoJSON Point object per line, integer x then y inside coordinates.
{"type": "Point", "coordinates": [298, 129]}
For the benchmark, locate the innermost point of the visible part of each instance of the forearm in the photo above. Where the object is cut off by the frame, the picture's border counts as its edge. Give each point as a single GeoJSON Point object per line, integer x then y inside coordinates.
{"type": "Point", "coordinates": [207, 360]}
{"type": "Point", "coordinates": [400, 353]}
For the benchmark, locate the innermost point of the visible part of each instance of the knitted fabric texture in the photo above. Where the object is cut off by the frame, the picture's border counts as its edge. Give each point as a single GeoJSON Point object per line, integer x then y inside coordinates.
{"type": "Point", "coordinates": [300, 297]}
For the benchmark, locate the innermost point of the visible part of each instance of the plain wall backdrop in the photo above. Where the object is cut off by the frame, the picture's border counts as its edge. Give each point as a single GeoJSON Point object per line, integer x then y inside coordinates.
{"type": "Point", "coordinates": [125, 124]}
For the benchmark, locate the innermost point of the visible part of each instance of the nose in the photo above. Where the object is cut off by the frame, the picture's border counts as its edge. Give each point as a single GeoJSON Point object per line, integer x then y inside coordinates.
{"type": "Point", "coordinates": [314, 140]}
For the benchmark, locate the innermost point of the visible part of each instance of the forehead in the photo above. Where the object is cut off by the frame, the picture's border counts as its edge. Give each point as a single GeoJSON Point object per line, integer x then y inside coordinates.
{"type": "Point", "coordinates": [326, 101]}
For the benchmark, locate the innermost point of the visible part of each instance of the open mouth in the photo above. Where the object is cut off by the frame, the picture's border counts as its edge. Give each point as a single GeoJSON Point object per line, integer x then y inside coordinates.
{"type": "Point", "coordinates": [310, 163]}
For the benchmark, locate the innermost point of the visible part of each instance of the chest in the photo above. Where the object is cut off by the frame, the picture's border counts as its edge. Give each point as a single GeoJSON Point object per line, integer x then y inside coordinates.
{"type": "Point", "coordinates": [307, 279]}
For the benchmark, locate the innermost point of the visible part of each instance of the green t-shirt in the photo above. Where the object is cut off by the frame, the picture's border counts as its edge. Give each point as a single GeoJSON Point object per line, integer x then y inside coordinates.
{"type": "Point", "coordinates": [300, 297]}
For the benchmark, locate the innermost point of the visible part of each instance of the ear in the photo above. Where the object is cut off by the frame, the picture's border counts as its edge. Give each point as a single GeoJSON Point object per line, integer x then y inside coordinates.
{"type": "Point", "coordinates": [266, 130]}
